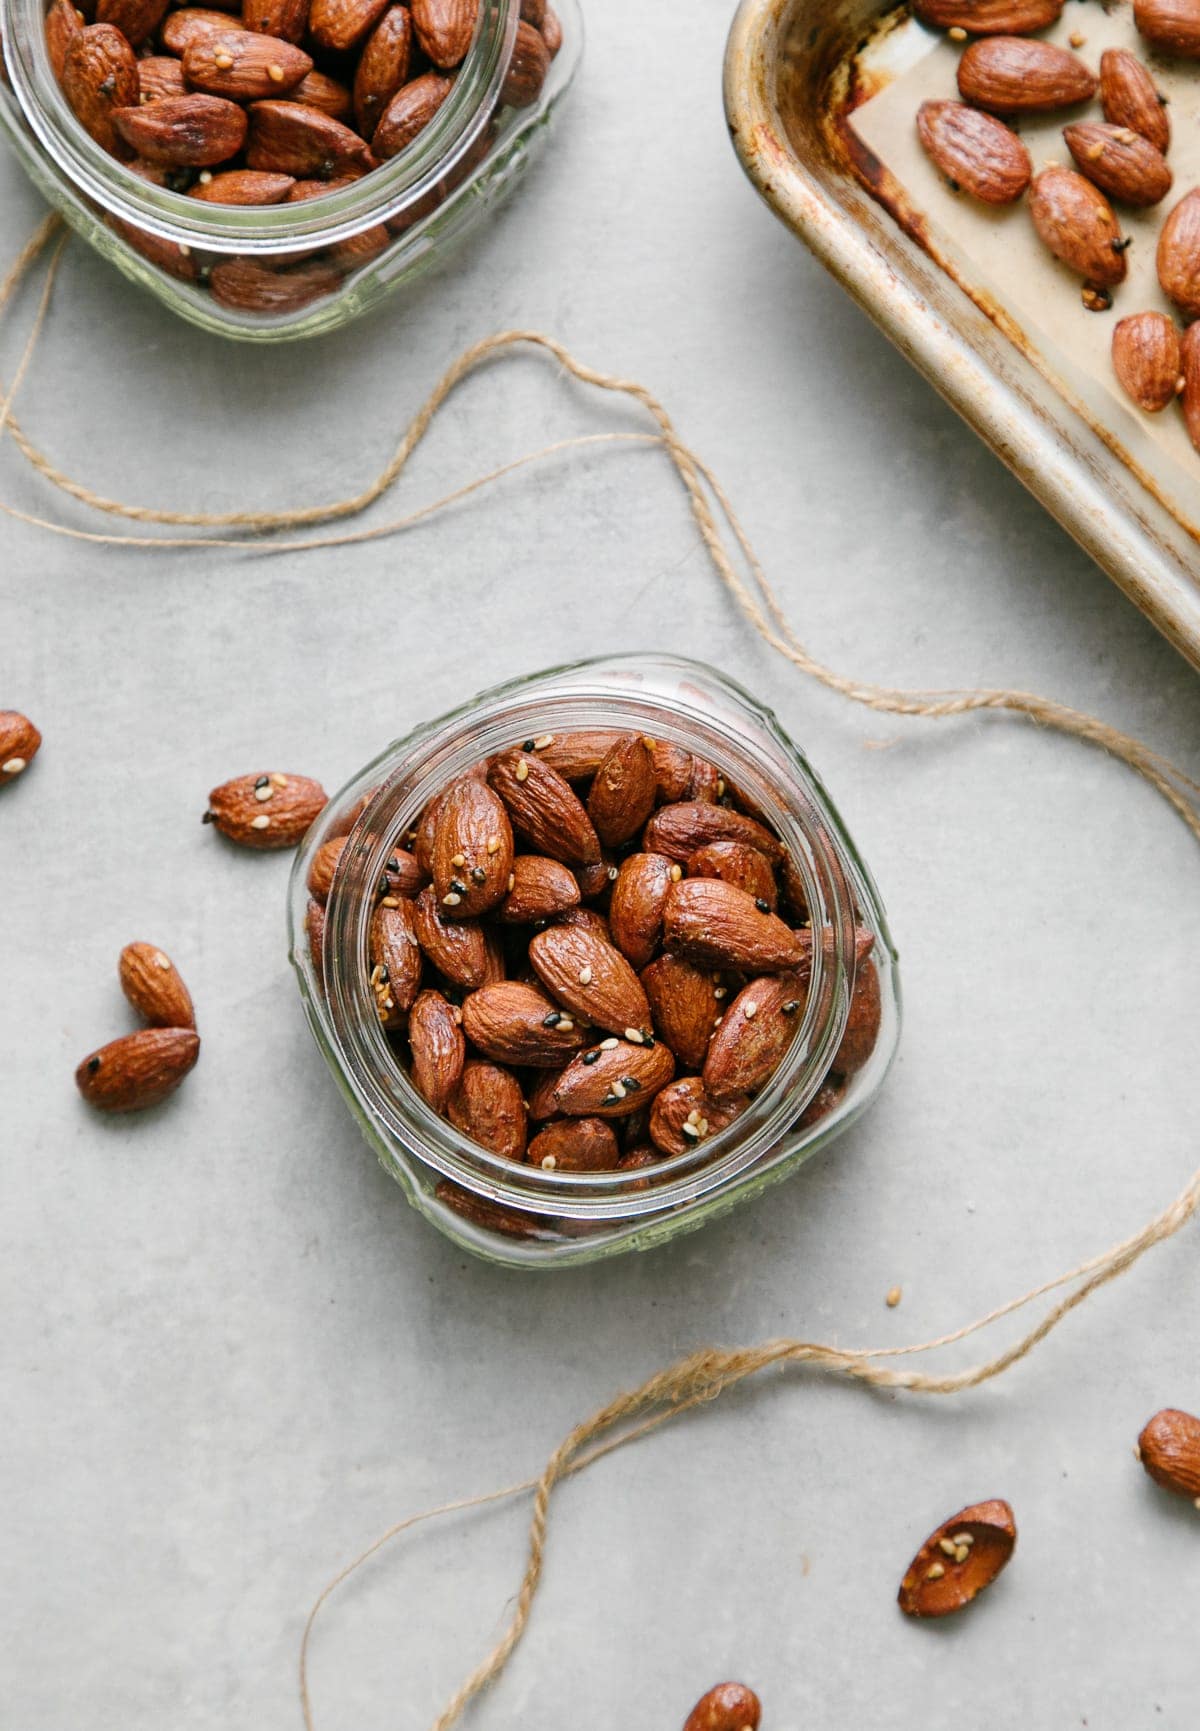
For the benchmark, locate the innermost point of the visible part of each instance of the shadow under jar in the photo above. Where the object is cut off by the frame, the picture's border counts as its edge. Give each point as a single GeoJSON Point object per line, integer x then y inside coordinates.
{"type": "Point", "coordinates": [720, 761]}
{"type": "Point", "coordinates": [272, 172]}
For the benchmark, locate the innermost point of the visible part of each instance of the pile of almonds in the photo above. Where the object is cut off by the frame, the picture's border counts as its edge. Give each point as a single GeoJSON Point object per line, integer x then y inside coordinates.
{"type": "Point", "coordinates": [591, 957]}
{"type": "Point", "coordinates": [1006, 73]}
{"type": "Point", "coordinates": [273, 104]}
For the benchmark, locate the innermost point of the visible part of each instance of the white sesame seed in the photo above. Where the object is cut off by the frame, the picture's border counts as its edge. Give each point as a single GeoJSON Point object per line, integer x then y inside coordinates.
{"type": "Point", "coordinates": [14, 766]}
{"type": "Point", "coordinates": [936, 1572]}
{"type": "Point", "coordinates": [962, 1553]}
{"type": "Point", "coordinates": [512, 882]}
{"type": "Point", "coordinates": [948, 1546]}
{"type": "Point", "coordinates": [719, 992]}
{"type": "Point", "coordinates": [275, 73]}
{"type": "Point", "coordinates": [750, 1011]}
{"type": "Point", "coordinates": [635, 1036]}
{"type": "Point", "coordinates": [390, 902]}
{"type": "Point", "coordinates": [585, 976]}
{"type": "Point", "coordinates": [542, 741]}
{"type": "Point", "coordinates": [676, 873]}
{"type": "Point", "coordinates": [720, 787]}
{"type": "Point", "coordinates": [702, 1126]}
{"type": "Point", "coordinates": [956, 33]}
{"type": "Point", "coordinates": [279, 780]}
{"type": "Point", "coordinates": [451, 899]}
{"type": "Point", "coordinates": [389, 1003]}
{"type": "Point", "coordinates": [566, 1025]}
{"type": "Point", "coordinates": [549, 1163]}
{"type": "Point", "coordinates": [691, 1131]}
{"type": "Point", "coordinates": [967, 1539]}
{"type": "Point", "coordinates": [205, 177]}
{"type": "Point", "coordinates": [460, 859]}
{"type": "Point", "coordinates": [522, 770]}
{"type": "Point", "coordinates": [619, 1090]}
{"type": "Point", "coordinates": [263, 793]}
{"type": "Point", "coordinates": [160, 961]}
{"type": "Point", "coordinates": [650, 744]}
{"type": "Point", "coordinates": [693, 1116]}
{"type": "Point", "coordinates": [609, 1045]}
{"type": "Point", "coordinates": [224, 61]}
{"type": "Point", "coordinates": [493, 844]}
{"type": "Point", "coordinates": [262, 822]}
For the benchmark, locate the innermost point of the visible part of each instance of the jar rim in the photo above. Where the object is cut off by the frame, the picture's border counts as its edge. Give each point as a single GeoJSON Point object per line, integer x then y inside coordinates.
{"type": "Point", "coordinates": [378, 196]}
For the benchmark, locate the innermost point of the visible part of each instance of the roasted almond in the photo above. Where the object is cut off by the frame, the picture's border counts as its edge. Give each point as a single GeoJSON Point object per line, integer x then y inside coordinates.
{"type": "Point", "coordinates": [324, 864]}
{"type": "Point", "coordinates": [516, 1024]}
{"type": "Point", "coordinates": [402, 874]}
{"type": "Point", "coordinates": [244, 65]}
{"type": "Point", "coordinates": [684, 1114]}
{"type": "Point", "coordinates": [396, 965]}
{"type": "Point", "coordinates": [19, 742]}
{"type": "Point", "coordinates": [340, 24]}
{"type": "Point", "coordinates": [1189, 356]}
{"type": "Point", "coordinates": [265, 811]}
{"type": "Point", "coordinates": [586, 919]}
{"type": "Point", "coordinates": [596, 881]}
{"type": "Point", "coordinates": [1171, 25]}
{"type": "Point", "coordinates": [329, 95]}
{"type": "Point", "coordinates": [160, 76]}
{"type": "Point", "coordinates": [975, 151]}
{"type": "Point", "coordinates": [100, 78]}
{"type": "Point", "coordinates": [862, 1023]}
{"type": "Point", "coordinates": [63, 24]}
{"type": "Point", "coordinates": [539, 1098]}
{"type": "Point", "coordinates": [717, 926]}
{"type": "Point", "coordinates": [541, 889]}
{"type": "Point", "coordinates": [706, 783]}
{"type": "Point", "coordinates": [1077, 223]}
{"type": "Point", "coordinates": [193, 131]}
{"type": "Point", "coordinates": [576, 756]}
{"type": "Point", "coordinates": [639, 899]}
{"type": "Point", "coordinates": [154, 986]}
{"type": "Point", "coordinates": [1014, 75]}
{"type": "Point", "coordinates": [526, 70]}
{"type": "Point", "coordinates": [171, 256]}
{"type": "Point", "coordinates": [460, 949]}
{"type": "Point", "coordinates": [439, 1050]}
{"type": "Point", "coordinates": [1169, 1449]}
{"type": "Point", "coordinates": [289, 138]}
{"type": "Point", "coordinates": [727, 1707]}
{"type": "Point", "coordinates": [287, 19]}
{"type": "Point", "coordinates": [244, 186]}
{"type": "Point", "coordinates": [613, 1079]}
{"type": "Point", "coordinates": [472, 849]}
{"type": "Point", "coordinates": [191, 23]}
{"type": "Point", "coordinates": [383, 66]}
{"type": "Point", "coordinates": [989, 17]}
{"type": "Point", "coordinates": [679, 830]}
{"type": "Point", "coordinates": [755, 1033]}
{"type": "Point", "coordinates": [575, 1145]}
{"type": "Point", "coordinates": [622, 794]}
{"type": "Point", "coordinates": [552, 31]}
{"type": "Point", "coordinates": [673, 771]}
{"type": "Point", "coordinates": [959, 1560]}
{"type": "Point", "coordinates": [1129, 97]}
{"type": "Point", "coordinates": [1179, 255]}
{"type": "Point", "coordinates": [735, 863]}
{"type": "Point", "coordinates": [314, 929]}
{"type": "Point", "coordinates": [1146, 359]}
{"type": "Point", "coordinates": [491, 1216]}
{"type": "Point", "coordinates": [1121, 162]}
{"type": "Point", "coordinates": [445, 29]}
{"type": "Point", "coordinates": [135, 19]}
{"type": "Point", "coordinates": [408, 112]}
{"type": "Point", "coordinates": [487, 1106]}
{"type": "Point", "coordinates": [138, 1070]}
{"type": "Point", "coordinates": [544, 809]}
{"type": "Point", "coordinates": [684, 1006]}
{"type": "Point", "coordinates": [252, 285]}
{"type": "Point", "coordinates": [827, 1099]}
{"type": "Point", "coordinates": [590, 978]}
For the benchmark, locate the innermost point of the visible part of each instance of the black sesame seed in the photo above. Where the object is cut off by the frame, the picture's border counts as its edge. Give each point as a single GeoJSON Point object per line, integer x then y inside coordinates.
{"type": "Point", "coordinates": [631, 1082]}
{"type": "Point", "coordinates": [384, 885]}
{"type": "Point", "coordinates": [393, 865]}
{"type": "Point", "coordinates": [591, 1057]}
{"type": "Point", "coordinates": [610, 1100]}
{"type": "Point", "coordinates": [528, 745]}
{"type": "Point", "coordinates": [790, 1008]}
{"type": "Point", "coordinates": [762, 904]}
{"type": "Point", "coordinates": [384, 976]}
{"type": "Point", "coordinates": [263, 781]}
{"type": "Point", "coordinates": [93, 1066]}
{"type": "Point", "coordinates": [478, 875]}
{"type": "Point", "coordinates": [552, 1020]}
{"type": "Point", "coordinates": [458, 887]}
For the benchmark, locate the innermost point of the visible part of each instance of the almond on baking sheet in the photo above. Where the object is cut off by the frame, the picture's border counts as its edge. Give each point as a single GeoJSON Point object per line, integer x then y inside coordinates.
{"type": "Point", "coordinates": [975, 151]}
{"type": "Point", "coordinates": [1077, 223]}
{"type": "Point", "coordinates": [1178, 255]}
{"type": "Point", "coordinates": [472, 849]}
{"type": "Point", "coordinates": [396, 963]}
{"type": "Point", "coordinates": [488, 1107]}
{"type": "Point", "coordinates": [1169, 1449]}
{"type": "Point", "coordinates": [19, 743]}
{"type": "Point", "coordinates": [684, 1114]}
{"type": "Point", "coordinates": [959, 1560]}
{"type": "Point", "coordinates": [1016, 75]}
{"type": "Point", "coordinates": [1129, 97]}
{"type": "Point", "coordinates": [622, 794]}
{"type": "Point", "coordinates": [408, 112]}
{"type": "Point", "coordinates": [244, 65]}
{"type": "Point", "coordinates": [1189, 355]}
{"type": "Point", "coordinates": [613, 1079]}
{"type": "Point", "coordinates": [590, 978]}
{"type": "Point", "coordinates": [756, 1031]}
{"type": "Point", "coordinates": [513, 1023]}
{"type": "Point", "coordinates": [289, 138]}
{"type": "Point", "coordinates": [544, 808]}
{"type": "Point", "coordinates": [989, 17]}
{"type": "Point", "coordinates": [684, 1005]}
{"type": "Point", "coordinates": [1120, 161]}
{"type": "Point", "coordinates": [439, 1050]}
{"type": "Point", "coordinates": [138, 1070]}
{"type": "Point", "coordinates": [1146, 359]}
{"type": "Point", "coordinates": [192, 131]}
{"type": "Point", "coordinates": [265, 811]}
{"type": "Point", "coordinates": [575, 1145]}
{"type": "Point", "coordinates": [735, 863]}
{"type": "Point", "coordinates": [727, 1707]}
{"type": "Point", "coordinates": [1171, 25]}
{"type": "Point", "coordinates": [679, 829]}
{"type": "Point", "coordinates": [718, 926]}
{"type": "Point", "coordinates": [154, 986]}
{"type": "Point", "coordinates": [383, 66]}
{"type": "Point", "coordinates": [639, 899]}
{"type": "Point", "coordinates": [445, 29]}
{"type": "Point", "coordinates": [460, 949]}
{"type": "Point", "coordinates": [541, 888]}
{"type": "Point", "coordinates": [99, 77]}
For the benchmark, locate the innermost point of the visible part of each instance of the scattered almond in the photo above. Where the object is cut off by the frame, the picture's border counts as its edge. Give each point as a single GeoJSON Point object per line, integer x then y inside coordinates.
{"type": "Point", "coordinates": [975, 151]}
{"type": "Point", "coordinates": [1129, 98]}
{"type": "Point", "coordinates": [1121, 162]}
{"type": "Point", "coordinates": [1179, 255]}
{"type": "Point", "coordinates": [1169, 1450]}
{"type": "Point", "coordinates": [271, 810]}
{"type": "Point", "coordinates": [138, 1070]}
{"type": "Point", "coordinates": [1146, 359]}
{"type": "Point", "coordinates": [154, 986]}
{"type": "Point", "coordinates": [989, 17]}
{"type": "Point", "coordinates": [959, 1560]}
{"type": "Point", "coordinates": [727, 1707]}
{"type": "Point", "coordinates": [1171, 25]}
{"type": "Point", "coordinates": [1077, 223]}
{"type": "Point", "coordinates": [19, 744]}
{"type": "Point", "coordinates": [1015, 75]}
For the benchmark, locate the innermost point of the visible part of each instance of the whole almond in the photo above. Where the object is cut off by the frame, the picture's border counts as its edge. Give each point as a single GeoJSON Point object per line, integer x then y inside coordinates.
{"type": "Point", "coordinates": [539, 1097]}
{"type": "Point", "coordinates": [445, 29]}
{"type": "Point", "coordinates": [590, 978]}
{"type": "Point", "coordinates": [251, 285]}
{"type": "Point", "coordinates": [383, 66]}
{"type": "Point", "coordinates": [1076, 222]}
{"type": "Point", "coordinates": [287, 19]}
{"type": "Point", "coordinates": [270, 810]}
{"type": "Point", "coordinates": [340, 24]}
{"type": "Point", "coordinates": [975, 151]}
{"type": "Point", "coordinates": [100, 77]}
{"type": "Point", "coordinates": [544, 809]}
{"type": "Point", "coordinates": [135, 19]}
{"type": "Point", "coordinates": [513, 1023]}
{"type": "Point", "coordinates": [63, 24]}
{"type": "Point", "coordinates": [989, 17]}
{"type": "Point", "coordinates": [289, 138]}
{"type": "Point", "coordinates": [138, 1070]}
{"type": "Point", "coordinates": [717, 926]}
{"type": "Point", "coordinates": [754, 1035]}
{"type": "Point", "coordinates": [154, 986]}
{"type": "Point", "coordinates": [1189, 358]}
{"type": "Point", "coordinates": [680, 829]}
{"type": "Point", "coordinates": [863, 1022]}
{"type": "Point", "coordinates": [526, 70]}
{"type": "Point", "coordinates": [706, 782]}
{"type": "Point", "coordinates": [684, 1115]}
{"type": "Point", "coordinates": [1171, 25]}
{"type": "Point", "coordinates": [472, 849]}
{"type": "Point", "coordinates": [459, 949]}
{"type": "Point", "coordinates": [735, 863]}
{"type": "Point", "coordinates": [684, 1005]}
{"type": "Point", "coordinates": [193, 131]}
{"type": "Point", "coordinates": [1014, 75]}
{"type": "Point", "coordinates": [329, 95]}
{"type": "Point", "coordinates": [402, 874]}
{"type": "Point", "coordinates": [19, 743]}
{"type": "Point", "coordinates": [439, 1050]}
{"type": "Point", "coordinates": [959, 1560]}
{"type": "Point", "coordinates": [577, 756]}
{"type": "Point", "coordinates": [588, 920]}
{"type": "Point", "coordinates": [487, 1106]}
{"type": "Point", "coordinates": [1121, 162]}
{"type": "Point", "coordinates": [244, 186]}
{"type": "Point", "coordinates": [596, 881]}
{"type": "Point", "coordinates": [1129, 97]}
{"type": "Point", "coordinates": [534, 12]}
{"type": "Point", "coordinates": [396, 964]}
{"type": "Point", "coordinates": [190, 24]}
{"type": "Point", "coordinates": [324, 864]}
{"type": "Point", "coordinates": [610, 1081]}
{"type": "Point", "coordinates": [168, 255]}
{"type": "Point", "coordinates": [622, 794]}
{"type": "Point", "coordinates": [673, 771]}
{"type": "Point", "coordinates": [727, 1707]}
{"type": "Point", "coordinates": [1179, 255]}
{"type": "Point", "coordinates": [244, 65]}
{"type": "Point", "coordinates": [1146, 360]}
{"type": "Point", "coordinates": [541, 889]}
{"type": "Point", "coordinates": [408, 112]}
{"type": "Point", "coordinates": [314, 929]}
{"type": "Point", "coordinates": [552, 31]}
{"type": "Point", "coordinates": [1169, 1449]}
{"type": "Point", "coordinates": [575, 1145]}
{"type": "Point", "coordinates": [490, 1216]}
{"type": "Point", "coordinates": [639, 899]}
{"type": "Point", "coordinates": [160, 76]}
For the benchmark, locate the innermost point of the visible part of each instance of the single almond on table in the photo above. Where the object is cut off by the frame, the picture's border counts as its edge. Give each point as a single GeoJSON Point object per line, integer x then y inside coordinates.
{"type": "Point", "coordinates": [408, 112]}
{"type": "Point", "coordinates": [575, 1145]}
{"type": "Point", "coordinates": [975, 151]}
{"type": "Point", "coordinates": [684, 1005]}
{"type": "Point", "coordinates": [439, 1049]}
{"type": "Point", "coordinates": [396, 965]}
{"type": "Point", "coordinates": [717, 926]}
{"type": "Point", "coordinates": [678, 830]}
{"type": "Point", "coordinates": [527, 69]}
{"type": "Point", "coordinates": [755, 1033]}
{"type": "Point", "coordinates": [138, 1070]}
{"type": "Point", "coordinates": [613, 1079]}
{"type": "Point", "coordinates": [99, 77]}
{"type": "Point", "coordinates": [735, 863]}
{"type": "Point", "coordinates": [459, 949]}
{"type": "Point", "coordinates": [1189, 355]}
{"type": "Point", "coordinates": [271, 810]}
{"type": "Point", "coordinates": [472, 850]}
{"type": "Point", "coordinates": [989, 17]}
{"type": "Point", "coordinates": [1077, 223]}
{"type": "Point", "coordinates": [445, 29]}
{"type": "Point", "coordinates": [1121, 162]}
{"type": "Point", "coordinates": [514, 1023]}
{"type": "Point", "coordinates": [243, 65]}
{"type": "Point", "coordinates": [623, 792]}
{"type": "Point", "coordinates": [590, 978]}
{"type": "Point", "coordinates": [1129, 97]}
{"type": "Point", "coordinates": [488, 1107]}
{"type": "Point", "coordinates": [192, 131]}
{"type": "Point", "coordinates": [1146, 359]}
{"type": "Point", "coordinates": [1169, 1449]}
{"type": "Point", "coordinates": [959, 1560]}
{"type": "Point", "coordinates": [544, 808]}
{"type": "Point", "coordinates": [154, 986]}
{"type": "Point", "coordinates": [684, 1115]}
{"type": "Point", "coordinates": [1178, 256]}
{"type": "Point", "coordinates": [541, 890]}
{"type": "Point", "coordinates": [1015, 75]}
{"type": "Point", "coordinates": [1171, 25]}
{"type": "Point", "coordinates": [727, 1707]}
{"type": "Point", "coordinates": [19, 743]}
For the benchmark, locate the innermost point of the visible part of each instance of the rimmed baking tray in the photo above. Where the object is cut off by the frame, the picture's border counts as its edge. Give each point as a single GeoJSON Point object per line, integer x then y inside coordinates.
{"type": "Point", "coordinates": [806, 87]}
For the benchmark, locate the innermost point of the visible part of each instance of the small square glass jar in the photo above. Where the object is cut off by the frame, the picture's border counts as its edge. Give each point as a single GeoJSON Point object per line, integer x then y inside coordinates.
{"type": "Point", "coordinates": [517, 1213]}
{"type": "Point", "coordinates": [288, 270]}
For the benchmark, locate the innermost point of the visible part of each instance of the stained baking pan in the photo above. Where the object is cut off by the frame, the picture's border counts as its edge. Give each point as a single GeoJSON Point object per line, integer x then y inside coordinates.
{"type": "Point", "coordinates": [821, 96]}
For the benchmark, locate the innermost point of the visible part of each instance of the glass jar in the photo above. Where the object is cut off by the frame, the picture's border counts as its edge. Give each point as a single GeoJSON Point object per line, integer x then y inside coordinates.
{"type": "Point", "coordinates": [521, 1214]}
{"type": "Point", "coordinates": [291, 269]}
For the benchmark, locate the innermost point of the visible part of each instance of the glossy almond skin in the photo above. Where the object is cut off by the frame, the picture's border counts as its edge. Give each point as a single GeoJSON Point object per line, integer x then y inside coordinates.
{"type": "Point", "coordinates": [577, 756]}
{"type": "Point", "coordinates": [543, 807]}
{"type": "Point", "coordinates": [673, 768]}
{"type": "Point", "coordinates": [993, 1533]}
{"type": "Point", "coordinates": [19, 744]}
{"type": "Point", "coordinates": [715, 925]}
{"type": "Point", "coordinates": [526, 70]}
{"type": "Point", "coordinates": [676, 1105]}
{"type": "Point", "coordinates": [138, 1070]}
{"type": "Point", "coordinates": [1017, 75]}
{"type": "Point", "coordinates": [340, 24]}
{"type": "Point", "coordinates": [318, 90]}
{"type": "Point", "coordinates": [254, 286]}
{"type": "Point", "coordinates": [135, 19]}
{"type": "Point", "coordinates": [513, 1023]}
{"type": "Point", "coordinates": [438, 1047]}
{"type": "Point", "coordinates": [383, 66]}
{"type": "Point", "coordinates": [324, 864]}
{"type": "Point", "coordinates": [684, 1006]}
{"type": "Point", "coordinates": [989, 17]}
{"type": "Point", "coordinates": [1179, 255]}
{"type": "Point", "coordinates": [639, 900]}
{"type": "Point", "coordinates": [191, 23]}
{"type": "Point", "coordinates": [1120, 162]}
{"type": "Point", "coordinates": [623, 791]}
{"type": "Point", "coordinates": [487, 1106]}
{"type": "Point", "coordinates": [586, 1088]}
{"type": "Point", "coordinates": [244, 186]}
{"type": "Point", "coordinates": [100, 77]}
{"type": "Point", "coordinates": [160, 76]}
{"type": "Point", "coordinates": [314, 928]}
{"type": "Point", "coordinates": [1189, 353]}
{"type": "Point", "coordinates": [706, 782]}
{"type": "Point", "coordinates": [154, 986]}
{"type": "Point", "coordinates": [63, 24]}
{"type": "Point", "coordinates": [193, 131]}
{"type": "Point", "coordinates": [1171, 25]}
{"type": "Point", "coordinates": [975, 151]}
{"type": "Point", "coordinates": [408, 112]}
{"type": "Point", "coordinates": [541, 890]}
{"type": "Point", "coordinates": [575, 1145]}
{"type": "Point", "coordinates": [727, 1707]}
{"type": "Point", "coordinates": [459, 949]}
{"type": "Point", "coordinates": [755, 1033]}
{"type": "Point", "coordinates": [472, 850]}
{"type": "Point", "coordinates": [281, 819]}
{"type": "Point", "coordinates": [445, 29]}
{"type": "Point", "coordinates": [1146, 359]}
{"type": "Point", "coordinates": [394, 946]}
{"type": "Point", "coordinates": [244, 65]}
{"type": "Point", "coordinates": [1076, 222]}
{"type": "Point", "coordinates": [402, 874]}
{"type": "Point", "coordinates": [1169, 1448]}
{"type": "Point", "coordinates": [287, 19]}
{"type": "Point", "coordinates": [735, 863]}
{"type": "Point", "coordinates": [288, 138]}
{"type": "Point", "coordinates": [1129, 97]}
{"type": "Point", "coordinates": [552, 31]}
{"type": "Point", "coordinates": [678, 830]}
{"type": "Point", "coordinates": [590, 978]}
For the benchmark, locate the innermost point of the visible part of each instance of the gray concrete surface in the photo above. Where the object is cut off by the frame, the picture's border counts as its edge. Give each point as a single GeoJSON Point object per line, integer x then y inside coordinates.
{"type": "Point", "coordinates": [230, 1354]}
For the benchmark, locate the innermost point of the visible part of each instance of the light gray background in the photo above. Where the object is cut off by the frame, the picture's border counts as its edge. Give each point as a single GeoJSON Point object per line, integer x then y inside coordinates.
{"type": "Point", "coordinates": [231, 1354]}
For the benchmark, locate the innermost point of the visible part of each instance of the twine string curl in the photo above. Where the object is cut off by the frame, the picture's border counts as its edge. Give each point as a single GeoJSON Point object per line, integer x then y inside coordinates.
{"type": "Point", "coordinates": [706, 1374]}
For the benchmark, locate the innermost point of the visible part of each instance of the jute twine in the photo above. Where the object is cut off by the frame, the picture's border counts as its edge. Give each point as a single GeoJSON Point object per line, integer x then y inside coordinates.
{"type": "Point", "coordinates": [704, 1375]}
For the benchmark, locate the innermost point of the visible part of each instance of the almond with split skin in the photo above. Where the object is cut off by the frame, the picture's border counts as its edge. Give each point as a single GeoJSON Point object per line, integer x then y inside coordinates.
{"type": "Point", "coordinates": [243, 65]}
{"type": "Point", "coordinates": [543, 807]}
{"type": "Point", "coordinates": [989, 17]}
{"type": "Point", "coordinates": [684, 1115]}
{"type": "Point", "coordinates": [472, 854]}
{"type": "Point", "coordinates": [445, 29]}
{"type": "Point", "coordinates": [488, 1107]}
{"type": "Point", "coordinates": [975, 151]}
{"type": "Point", "coordinates": [1076, 222]}
{"type": "Point", "coordinates": [439, 1049]}
{"type": "Point", "coordinates": [717, 926]}
{"type": "Point", "coordinates": [19, 744]}
{"type": "Point", "coordinates": [138, 1070]}
{"type": "Point", "coordinates": [726, 1707]}
{"type": "Point", "coordinates": [1147, 361]}
{"type": "Point", "coordinates": [623, 791]}
{"type": "Point", "coordinates": [1173, 26]}
{"type": "Point", "coordinates": [575, 1145]}
{"type": "Point", "coordinates": [154, 986]}
{"type": "Point", "coordinates": [590, 978]}
{"type": "Point", "coordinates": [1129, 97]}
{"type": "Point", "coordinates": [1016, 75]}
{"type": "Point", "coordinates": [1178, 255]}
{"type": "Point", "coordinates": [1120, 162]}
{"type": "Point", "coordinates": [612, 1080]}
{"type": "Point", "coordinates": [513, 1023]}
{"type": "Point", "coordinates": [1169, 1450]}
{"type": "Point", "coordinates": [960, 1559]}
{"type": "Point", "coordinates": [271, 810]}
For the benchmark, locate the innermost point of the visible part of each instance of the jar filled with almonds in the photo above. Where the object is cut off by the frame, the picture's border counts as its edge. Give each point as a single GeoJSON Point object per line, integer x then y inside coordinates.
{"type": "Point", "coordinates": [272, 170]}
{"type": "Point", "coordinates": [592, 959]}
